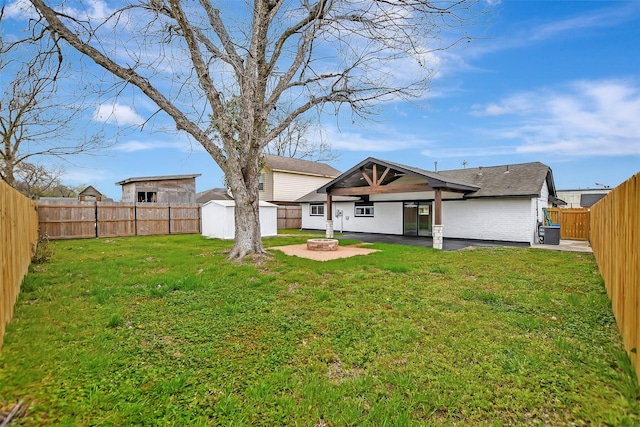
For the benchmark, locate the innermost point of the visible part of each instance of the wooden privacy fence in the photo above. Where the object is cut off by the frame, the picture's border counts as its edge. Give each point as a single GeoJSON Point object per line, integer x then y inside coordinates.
{"type": "Point", "coordinates": [18, 239]}
{"type": "Point", "coordinates": [615, 239]}
{"type": "Point", "coordinates": [289, 217]}
{"type": "Point", "coordinates": [86, 220]}
{"type": "Point", "coordinates": [574, 223]}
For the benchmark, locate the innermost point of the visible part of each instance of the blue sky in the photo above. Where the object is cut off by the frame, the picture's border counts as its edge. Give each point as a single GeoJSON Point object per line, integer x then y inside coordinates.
{"type": "Point", "coordinates": [550, 81]}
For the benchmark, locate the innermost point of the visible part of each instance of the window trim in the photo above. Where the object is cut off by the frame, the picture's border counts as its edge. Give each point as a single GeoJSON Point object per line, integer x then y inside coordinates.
{"type": "Point", "coordinates": [148, 196]}
{"type": "Point", "coordinates": [366, 208]}
{"type": "Point", "coordinates": [316, 205]}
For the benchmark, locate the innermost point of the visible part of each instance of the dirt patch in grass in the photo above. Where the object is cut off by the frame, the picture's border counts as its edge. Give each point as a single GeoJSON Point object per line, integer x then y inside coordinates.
{"type": "Point", "coordinates": [342, 252]}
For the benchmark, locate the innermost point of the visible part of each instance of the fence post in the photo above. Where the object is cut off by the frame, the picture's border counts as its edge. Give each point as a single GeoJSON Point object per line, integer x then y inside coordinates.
{"type": "Point", "coordinates": [95, 224]}
{"type": "Point", "coordinates": [135, 218]}
{"type": "Point", "coordinates": [169, 208]}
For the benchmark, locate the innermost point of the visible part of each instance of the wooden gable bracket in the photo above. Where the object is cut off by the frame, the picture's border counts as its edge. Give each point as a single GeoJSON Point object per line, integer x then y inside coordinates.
{"type": "Point", "coordinates": [375, 182]}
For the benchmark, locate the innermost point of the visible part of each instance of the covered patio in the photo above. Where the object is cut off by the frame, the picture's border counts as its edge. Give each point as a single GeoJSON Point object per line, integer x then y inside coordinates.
{"type": "Point", "coordinates": [373, 177]}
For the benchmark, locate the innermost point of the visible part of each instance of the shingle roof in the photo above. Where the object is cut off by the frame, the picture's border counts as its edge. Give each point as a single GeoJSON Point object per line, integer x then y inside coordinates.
{"type": "Point", "coordinates": [524, 179]}
{"type": "Point", "coordinates": [289, 164]}
{"type": "Point", "coordinates": [517, 180]}
{"type": "Point", "coordinates": [212, 194]}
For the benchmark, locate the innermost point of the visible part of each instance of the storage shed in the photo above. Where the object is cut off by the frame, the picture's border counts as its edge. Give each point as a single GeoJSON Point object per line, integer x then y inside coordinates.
{"type": "Point", "coordinates": [218, 219]}
{"type": "Point", "coordinates": [166, 189]}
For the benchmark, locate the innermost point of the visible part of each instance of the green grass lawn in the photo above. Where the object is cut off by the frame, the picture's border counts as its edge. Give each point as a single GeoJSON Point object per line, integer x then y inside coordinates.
{"type": "Point", "coordinates": [164, 330]}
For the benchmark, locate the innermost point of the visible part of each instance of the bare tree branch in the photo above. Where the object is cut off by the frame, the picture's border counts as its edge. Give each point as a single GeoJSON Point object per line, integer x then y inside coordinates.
{"type": "Point", "coordinates": [238, 80]}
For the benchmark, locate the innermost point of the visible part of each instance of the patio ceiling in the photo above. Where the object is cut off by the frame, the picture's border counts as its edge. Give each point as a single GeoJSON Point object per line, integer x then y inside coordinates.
{"type": "Point", "coordinates": [374, 176]}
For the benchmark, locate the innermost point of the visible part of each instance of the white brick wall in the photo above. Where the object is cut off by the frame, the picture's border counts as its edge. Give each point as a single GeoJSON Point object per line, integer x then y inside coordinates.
{"type": "Point", "coordinates": [511, 220]}
{"type": "Point", "coordinates": [489, 219]}
{"type": "Point", "coordinates": [387, 218]}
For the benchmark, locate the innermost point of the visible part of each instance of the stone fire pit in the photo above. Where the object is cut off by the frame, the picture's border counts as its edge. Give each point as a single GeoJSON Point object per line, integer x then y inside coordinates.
{"type": "Point", "coordinates": [322, 244]}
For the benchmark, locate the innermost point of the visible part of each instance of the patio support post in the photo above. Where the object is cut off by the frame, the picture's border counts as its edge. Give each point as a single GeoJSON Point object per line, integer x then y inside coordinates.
{"type": "Point", "coordinates": [329, 231]}
{"type": "Point", "coordinates": [437, 223]}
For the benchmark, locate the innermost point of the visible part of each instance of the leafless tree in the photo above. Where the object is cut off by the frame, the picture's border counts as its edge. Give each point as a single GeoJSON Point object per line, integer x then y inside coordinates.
{"type": "Point", "coordinates": [35, 180]}
{"type": "Point", "coordinates": [294, 142]}
{"type": "Point", "coordinates": [192, 57]}
{"type": "Point", "coordinates": [34, 120]}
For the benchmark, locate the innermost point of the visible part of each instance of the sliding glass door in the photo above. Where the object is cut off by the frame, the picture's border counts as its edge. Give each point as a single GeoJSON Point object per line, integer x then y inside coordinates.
{"type": "Point", "coordinates": [418, 218]}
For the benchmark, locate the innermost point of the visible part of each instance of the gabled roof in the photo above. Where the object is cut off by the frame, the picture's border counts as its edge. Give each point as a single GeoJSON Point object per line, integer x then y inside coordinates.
{"type": "Point", "coordinates": [307, 167]}
{"type": "Point", "coordinates": [90, 191]}
{"type": "Point", "coordinates": [353, 177]}
{"type": "Point", "coordinates": [518, 180]}
{"type": "Point", "coordinates": [157, 178]}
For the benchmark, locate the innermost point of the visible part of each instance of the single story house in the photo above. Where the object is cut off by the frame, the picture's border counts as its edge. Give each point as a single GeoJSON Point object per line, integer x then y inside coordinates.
{"type": "Point", "coordinates": [218, 219]}
{"type": "Point", "coordinates": [499, 203]}
{"type": "Point", "coordinates": [166, 189]}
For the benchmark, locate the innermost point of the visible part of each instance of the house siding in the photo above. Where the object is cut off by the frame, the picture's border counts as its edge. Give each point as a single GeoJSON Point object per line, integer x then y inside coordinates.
{"type": "Point", "coordinates": [289, 187]}
{"type": "Point", "coordinates": [266, 194]}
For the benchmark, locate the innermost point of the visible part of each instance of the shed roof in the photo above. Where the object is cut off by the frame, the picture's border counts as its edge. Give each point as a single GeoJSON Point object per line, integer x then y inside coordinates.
{"type": "Point", "coordinates": [290, 164]}
{"type": "Point", "coordinates": [157, 178]}
{"type": "Point", "coordinates": [232, 203]}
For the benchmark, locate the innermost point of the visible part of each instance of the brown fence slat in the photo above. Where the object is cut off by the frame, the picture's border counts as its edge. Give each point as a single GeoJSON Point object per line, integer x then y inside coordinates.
{"type": "Point", "coordinates": [18, 237]}
{"type": "Point", "coordinates": [615, 239]}
{"type": "Point", "coordinates": [289, 217]}
{"type": "Point", "coordinates": [574, 223]}
{"type": "Point", "coordinates": [83, 220]}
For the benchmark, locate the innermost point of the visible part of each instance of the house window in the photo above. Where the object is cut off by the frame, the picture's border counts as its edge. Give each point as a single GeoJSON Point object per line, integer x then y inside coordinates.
{"type": "Point", "coordinates": [261, 182]}
{"type": "Point", "coordinates": [147, 196]}
{"type": "Point", "coordinates": [316, 209]}
{"type": "Point", "coordinates": [364, 209]}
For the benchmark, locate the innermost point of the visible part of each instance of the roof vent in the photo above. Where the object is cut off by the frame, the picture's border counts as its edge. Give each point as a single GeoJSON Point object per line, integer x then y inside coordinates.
{"type": "Point", "coordinates": [479, 170]}
{"type": "Point", "coordinates": [436, 166]}
{"type": "Point", "coordinates": [507, 171]}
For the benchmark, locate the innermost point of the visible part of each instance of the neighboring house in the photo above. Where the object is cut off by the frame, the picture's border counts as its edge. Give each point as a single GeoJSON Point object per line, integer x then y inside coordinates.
{"type": "Point", "coordinates": [167, 189]}
{"type": "Point", "coordinates": [90, 194]}
{"type": "Point", "coordinates": [212, 194]}
{"type": "Point", "coordinates": [582, 198]}
{"type": "Point", "coordinates": [283, 180]}
{"type": "Point", "coordinates": [502, 203]}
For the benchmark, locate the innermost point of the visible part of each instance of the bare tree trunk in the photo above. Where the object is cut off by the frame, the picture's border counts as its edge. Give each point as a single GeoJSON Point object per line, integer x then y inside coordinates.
{"type": "Point", "coordinates": [244, 187]}
{"type": "Point", "coordinates": [247, 237]}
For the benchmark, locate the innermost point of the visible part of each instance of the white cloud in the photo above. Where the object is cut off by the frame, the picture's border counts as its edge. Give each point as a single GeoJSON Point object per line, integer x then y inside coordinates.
{"type": "Point", "coordinates": [118, 114]}
{"type": "Point", "coordinates": [179, 144]}
{"type": "Point", "coordinates": [85, 176]}
{"type": "Point", "coordinates": [20, 9]}
{"type": "Point", "coordinates": [612, 15]}
{"type": "Point", "coordinates": [373, 140]}
{"type": "Point", "coordinates": [583, 118]}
